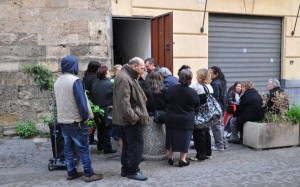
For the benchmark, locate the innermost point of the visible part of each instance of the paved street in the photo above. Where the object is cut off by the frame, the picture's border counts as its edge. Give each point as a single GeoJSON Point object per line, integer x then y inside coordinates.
{"type": "Point", "coordinates": [24, 163]}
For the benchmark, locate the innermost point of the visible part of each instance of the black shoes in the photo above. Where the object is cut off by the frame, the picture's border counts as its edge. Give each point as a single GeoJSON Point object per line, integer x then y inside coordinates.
{"type": "Point", "coordinates": [137, 176]}
{"type": "Point", "coordinates": [109, 151]}
{"type": "Point", "coordinates": [123, 174]}
{"type": "Point", "coordinates": [183, 163]}
{"type": "Point", "coordinates": [171, 161]}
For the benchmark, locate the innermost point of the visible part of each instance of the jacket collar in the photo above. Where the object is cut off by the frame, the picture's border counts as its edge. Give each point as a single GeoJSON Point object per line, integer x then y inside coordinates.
{"type": "Point", "coordinates": [133, 74]}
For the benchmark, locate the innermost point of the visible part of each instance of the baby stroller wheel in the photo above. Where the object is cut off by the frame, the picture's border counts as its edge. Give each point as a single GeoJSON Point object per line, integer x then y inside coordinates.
{"type": "Point", "coordinates": [50, 167]}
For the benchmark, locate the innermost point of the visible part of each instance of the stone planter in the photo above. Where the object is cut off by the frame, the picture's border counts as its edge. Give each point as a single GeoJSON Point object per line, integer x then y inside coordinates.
{"type": "Point", "coordinates": [263, 135]}
{"type": "Point", "coordinates": [154, 142]}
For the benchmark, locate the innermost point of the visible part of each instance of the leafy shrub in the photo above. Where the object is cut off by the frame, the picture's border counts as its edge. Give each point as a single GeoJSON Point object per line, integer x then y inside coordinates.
{"type": "Point", "coordinates": [277, 113]}
{"type": "Point", "coordinates": [293, 114]}
{"type": "Point", "coordinates": [26, 129]}
{"type": "Point", "coordinates": [98, 113]}
{"type": "Point", "coordinates": [42, 76]}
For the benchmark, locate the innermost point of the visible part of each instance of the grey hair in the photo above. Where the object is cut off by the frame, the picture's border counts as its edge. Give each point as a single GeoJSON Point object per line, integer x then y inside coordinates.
{"type": "Point", "coordinates": [164, 72]}
{"type": "Point", "coordinates": [274, 82]}
{"type": "Point", "coordinates": [185, 77]}
{"type": "Point", "coordinates": [135, 61]}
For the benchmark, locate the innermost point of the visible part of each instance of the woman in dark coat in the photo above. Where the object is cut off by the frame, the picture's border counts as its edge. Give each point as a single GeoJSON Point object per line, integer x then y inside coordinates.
{"type": "Point", "coordinates": [219, 85]}
{"type": "Point", "coordinates": [182, 104]}
{"type": "Point", "coordinates": [88, 80]}
{"type": "Point", "coordinates": [249, 109]}
{"type": "Point", "coordinates": [154, 134]}
{"type": "Point", "coordinates": [101, 95]}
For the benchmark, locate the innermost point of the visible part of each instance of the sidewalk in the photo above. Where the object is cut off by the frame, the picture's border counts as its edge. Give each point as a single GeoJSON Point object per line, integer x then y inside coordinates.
{"type": "Point", "coordinates": [24, 163]}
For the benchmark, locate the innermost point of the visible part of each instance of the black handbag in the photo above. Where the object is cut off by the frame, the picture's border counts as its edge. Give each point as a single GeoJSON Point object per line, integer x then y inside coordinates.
{"type": "Point", "coordinates": [108, 116]}
{"type": "Point", "coordinates": [159, 115]}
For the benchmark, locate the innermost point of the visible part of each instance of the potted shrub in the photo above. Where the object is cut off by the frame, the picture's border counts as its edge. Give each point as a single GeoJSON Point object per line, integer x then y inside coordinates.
{"type": "Point", "coordinates": [98, 113]}
{"type": "Point", "coordinates": [279, 128]}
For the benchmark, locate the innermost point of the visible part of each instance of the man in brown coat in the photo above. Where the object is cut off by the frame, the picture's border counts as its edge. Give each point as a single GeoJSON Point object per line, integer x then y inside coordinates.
{"type": "Point", "coordinates": [130, 113]}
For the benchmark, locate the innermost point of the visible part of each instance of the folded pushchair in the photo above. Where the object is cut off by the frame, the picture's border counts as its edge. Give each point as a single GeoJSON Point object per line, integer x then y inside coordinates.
{"type": "Point", "coordinates": [57, 143]}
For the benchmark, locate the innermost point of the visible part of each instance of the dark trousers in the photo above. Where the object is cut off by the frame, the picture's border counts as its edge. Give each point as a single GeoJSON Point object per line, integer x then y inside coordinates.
{"type": "Point", "coordinates": [202, 143]}
{"type": "Point", "coordinates": [103, 136]}
{"type": "Point", "coordinates": [133, 145]}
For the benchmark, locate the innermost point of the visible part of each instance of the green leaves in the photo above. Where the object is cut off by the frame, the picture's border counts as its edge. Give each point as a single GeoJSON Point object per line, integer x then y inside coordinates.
{"type": "Point", "coordinates": [26, 129]}
{"type": "Point", "coordinates": [294, 114]}
{"type": "Point", "coordinates": [98, 114]}
{"type": "Point", "coordinates": [42, 76]}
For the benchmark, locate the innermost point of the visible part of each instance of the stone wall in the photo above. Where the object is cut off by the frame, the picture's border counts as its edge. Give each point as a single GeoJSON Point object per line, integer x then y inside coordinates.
{"type": "Point", "coordinates": [42, 32]}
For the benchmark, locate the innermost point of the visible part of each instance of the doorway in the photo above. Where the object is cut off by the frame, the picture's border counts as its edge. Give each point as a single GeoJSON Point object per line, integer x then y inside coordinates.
{"type": "Point", "coordinates": [131, 37]}
{"type": "Point", "coordinates": [143, 37]}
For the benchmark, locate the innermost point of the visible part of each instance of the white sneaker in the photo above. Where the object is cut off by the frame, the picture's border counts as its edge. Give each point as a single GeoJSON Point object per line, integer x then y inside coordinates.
{"type": "Point", "coordinates": [196, 159]}
{"type": "Point", "coordinates": [217, 149]}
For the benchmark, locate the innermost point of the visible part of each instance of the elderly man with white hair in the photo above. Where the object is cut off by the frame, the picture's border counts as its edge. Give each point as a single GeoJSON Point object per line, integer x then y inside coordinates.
{"type": "Point", "coordinates": [130, 113]}
{"type": "Point", "coordinates": [169, 80]}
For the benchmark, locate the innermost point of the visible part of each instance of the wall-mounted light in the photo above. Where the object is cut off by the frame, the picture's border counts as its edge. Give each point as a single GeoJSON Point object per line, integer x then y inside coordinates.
{"type": "Point", "coordinates": [293, 32]}
{"type": "Point", "coordinates": [202, 28]}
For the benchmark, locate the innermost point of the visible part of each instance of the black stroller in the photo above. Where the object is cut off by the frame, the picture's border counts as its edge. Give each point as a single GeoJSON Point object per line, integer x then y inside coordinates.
{"type": "Point", "coordinates": [57, 142]}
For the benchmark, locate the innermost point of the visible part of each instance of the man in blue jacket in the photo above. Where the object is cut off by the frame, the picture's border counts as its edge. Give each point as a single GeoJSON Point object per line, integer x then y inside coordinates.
{"type": "Point", "coordinates": [73, 111]}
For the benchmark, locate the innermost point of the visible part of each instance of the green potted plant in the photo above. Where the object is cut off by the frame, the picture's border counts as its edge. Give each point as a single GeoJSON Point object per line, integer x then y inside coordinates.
{"type": "Point", "coordinates": [279, 128]}
{"type": "Point", "coordinates": [98, 114]}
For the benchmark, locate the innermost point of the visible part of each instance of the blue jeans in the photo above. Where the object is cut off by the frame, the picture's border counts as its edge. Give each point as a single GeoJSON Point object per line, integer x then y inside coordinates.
{"type": "Point", "coordinates": [77, 133]}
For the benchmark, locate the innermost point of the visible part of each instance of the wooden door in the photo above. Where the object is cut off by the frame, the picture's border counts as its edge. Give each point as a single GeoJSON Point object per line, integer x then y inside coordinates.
{"type": "Point", "coordinates": [162, 40]}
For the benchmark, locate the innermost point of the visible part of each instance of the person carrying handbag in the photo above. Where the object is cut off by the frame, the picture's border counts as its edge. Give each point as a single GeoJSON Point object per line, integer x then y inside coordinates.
{"type": "Point", "coordinates": [201, 136]}
{"type": "Point", "coordinates": [154, 134]}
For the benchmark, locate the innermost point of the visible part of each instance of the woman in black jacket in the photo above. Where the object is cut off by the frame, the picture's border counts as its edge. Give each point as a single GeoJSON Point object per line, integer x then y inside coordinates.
{"type": "Point", "coordinates": [219, 85]}
{"type": "Point", "coordinates": [249, 109]}
{"type": "Point", "coordinates": [88, 80]}
{"type": "Point", "coordinates": [154, 134]}
{"type": "Point", "coordinates": [101, 95]}
{"type": "Point", "coordinates": [182, 104]}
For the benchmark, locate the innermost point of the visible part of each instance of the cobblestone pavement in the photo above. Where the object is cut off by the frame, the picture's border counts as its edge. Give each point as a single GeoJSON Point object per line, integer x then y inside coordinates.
{"type": "Point", "coordinates": [24, 163]}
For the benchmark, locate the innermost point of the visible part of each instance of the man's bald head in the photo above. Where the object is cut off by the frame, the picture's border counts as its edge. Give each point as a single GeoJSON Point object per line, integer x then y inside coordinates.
{"type": "Point", "coordinates": [137, 64]}
{"type": "Point", "coordinates": [136, 61]}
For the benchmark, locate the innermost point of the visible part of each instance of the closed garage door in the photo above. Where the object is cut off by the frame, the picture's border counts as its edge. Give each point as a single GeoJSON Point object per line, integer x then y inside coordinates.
{"type": "Point", "coordinates": [245, 47]}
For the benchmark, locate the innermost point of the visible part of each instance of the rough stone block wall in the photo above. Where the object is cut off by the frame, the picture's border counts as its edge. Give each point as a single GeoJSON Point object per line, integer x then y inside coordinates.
{"type": "Point", "coordinates": [42, 32]}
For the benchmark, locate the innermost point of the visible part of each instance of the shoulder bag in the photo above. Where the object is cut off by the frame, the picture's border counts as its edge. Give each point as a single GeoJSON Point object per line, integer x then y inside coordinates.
{"type": "Point", "coordinates": [159, 115]}
{"type": "Point", "coordinates": [209, 113]}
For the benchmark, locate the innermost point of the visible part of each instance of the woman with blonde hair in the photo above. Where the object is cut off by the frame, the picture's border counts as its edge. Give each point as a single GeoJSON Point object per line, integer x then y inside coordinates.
{"type": "Point", "coordinates": [249, 109]}
{"type": "Point", "coordinates": [202, 141]}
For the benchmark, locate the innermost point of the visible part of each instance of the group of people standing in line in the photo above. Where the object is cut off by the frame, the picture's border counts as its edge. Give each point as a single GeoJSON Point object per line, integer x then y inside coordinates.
{"type": "Point", "coordinates": [135, 91]}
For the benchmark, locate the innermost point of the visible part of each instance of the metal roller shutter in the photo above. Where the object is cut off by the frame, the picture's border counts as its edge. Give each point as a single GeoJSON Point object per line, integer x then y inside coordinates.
{"type": "Point", "coordinates": [245, 48]}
